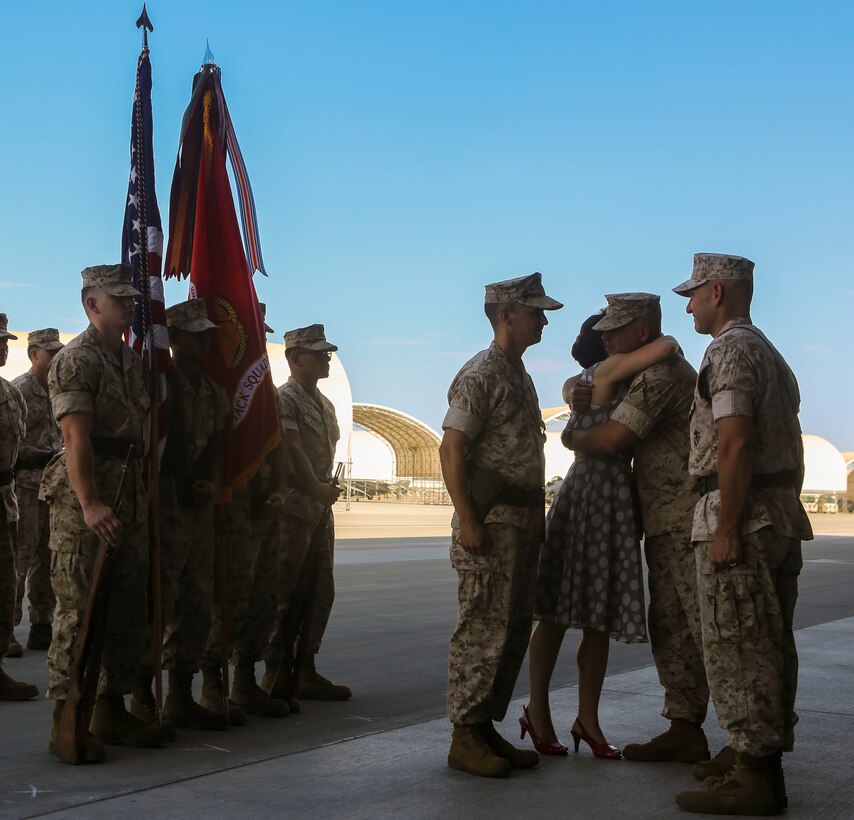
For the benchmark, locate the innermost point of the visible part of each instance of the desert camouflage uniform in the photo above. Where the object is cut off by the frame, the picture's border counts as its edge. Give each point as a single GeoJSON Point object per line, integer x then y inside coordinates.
{"type": "Point", "coordinates": [13, 427]}
{"type": "Point", "coordinates": [305, 526]}
{"type": "Point", "coordinates": [197, 414]}
{"type": "Point", "coordinates": [258, 620]}
{"type": "Point", "coordinates": [657, 408]}
{"type": "Point", "coordinates": [251, 552]}
{"type": "Point", "coordinates": [33, 558]}
{"type": "Point", "coordinates": [495, 404]}
{"type": "Point", "coordinates": [86, 377]}
{"type": "Point", "coordinates": [747, 610]}
{"type": "Point", "coordinates": [234, 521]}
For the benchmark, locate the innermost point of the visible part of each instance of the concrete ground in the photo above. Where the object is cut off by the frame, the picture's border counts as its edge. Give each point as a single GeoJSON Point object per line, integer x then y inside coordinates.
{"type": "Point", "coordinates": [373, 519]}
{"type": "Point", "coordinates": [376, 519]}
{"type": "Point", "coordinates": [383, 753]}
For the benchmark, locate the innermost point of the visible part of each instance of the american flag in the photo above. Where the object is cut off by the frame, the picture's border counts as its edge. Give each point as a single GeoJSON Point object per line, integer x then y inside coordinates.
{"type": "Point", "coordinates": [142, 246]}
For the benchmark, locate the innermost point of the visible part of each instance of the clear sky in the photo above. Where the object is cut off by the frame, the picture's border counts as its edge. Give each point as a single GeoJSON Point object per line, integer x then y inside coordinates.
{"type": "Point", "coordinates": [405, 154]}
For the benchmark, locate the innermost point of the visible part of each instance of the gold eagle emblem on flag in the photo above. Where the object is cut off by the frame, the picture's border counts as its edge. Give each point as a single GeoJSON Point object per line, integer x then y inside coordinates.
{"type": "Point", "coordinates": [232, 334]}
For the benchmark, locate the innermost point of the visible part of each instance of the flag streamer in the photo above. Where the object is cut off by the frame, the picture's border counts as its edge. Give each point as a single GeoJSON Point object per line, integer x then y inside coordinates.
{"type": "Point", "coordinates": [205, 244]}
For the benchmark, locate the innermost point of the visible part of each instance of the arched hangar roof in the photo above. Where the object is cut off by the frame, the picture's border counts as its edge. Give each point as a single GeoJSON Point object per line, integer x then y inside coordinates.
{"type": "Point", "coordinates": [415, 444]}
{"type": "Point", "coordinates": [555, 413]}
{"type": "Point", "coordinates": [825, 466]}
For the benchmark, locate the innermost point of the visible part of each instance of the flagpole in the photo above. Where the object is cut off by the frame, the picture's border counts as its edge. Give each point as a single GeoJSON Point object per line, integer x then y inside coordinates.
{"type": "Point", "coordinates": [145, 24]}
{"type": "Point", "coordinates": [153, 438]}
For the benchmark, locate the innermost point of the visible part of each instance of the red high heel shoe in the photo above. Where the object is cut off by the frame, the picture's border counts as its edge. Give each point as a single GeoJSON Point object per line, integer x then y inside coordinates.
{"type": "Point", "coordinates": [603, 750]}
{"type": "Point", "coordinates": [555, 747]}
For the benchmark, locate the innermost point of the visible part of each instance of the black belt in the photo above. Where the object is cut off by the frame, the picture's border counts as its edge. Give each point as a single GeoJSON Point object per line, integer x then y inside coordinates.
{"type": "Point", "coordinates": [6, 477]}
{"type": "Point", "coordinates": [522, 497]}
{"type": "Point", "coordinates": [35, 460]}
{"type": "Point", "coordinates": [116, 447]}
{"type": "Point", "coordinates": [787, 479]}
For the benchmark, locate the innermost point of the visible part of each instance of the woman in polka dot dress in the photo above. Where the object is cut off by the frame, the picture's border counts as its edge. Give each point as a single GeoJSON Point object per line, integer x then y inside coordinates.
{"type": "Point", "coordinates": [590, 574]}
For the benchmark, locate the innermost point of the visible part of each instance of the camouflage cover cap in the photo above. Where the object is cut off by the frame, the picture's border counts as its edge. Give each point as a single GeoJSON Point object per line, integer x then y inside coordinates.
{"type": "Point", "coordinates": [47, 339]}
{"type": "Point", "coordinates": [190, 316]}
{"type": "Point", "coordinates": [708, 266]}
{"type": "Point", "coordinates": [4, 328]}
{"type": "Point", "coordinates": [312, 337]}
{"type": "Point", "coordinates": [625, 307]}
{"type": "Point", "coordinates": [526, 290]}
{"type": "Point", "coordinates": [117, 280]}
{"type": "Point", "coordinates": [267, 328]}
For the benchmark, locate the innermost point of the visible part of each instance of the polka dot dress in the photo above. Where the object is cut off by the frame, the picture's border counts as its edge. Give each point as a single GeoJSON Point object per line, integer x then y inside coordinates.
{"type": "Point", "coordinates": [590, 571]}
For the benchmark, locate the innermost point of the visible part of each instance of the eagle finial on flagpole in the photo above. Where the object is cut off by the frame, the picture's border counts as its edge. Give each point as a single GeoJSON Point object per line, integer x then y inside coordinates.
{"type": "Point", "coordinates": [145, 24]}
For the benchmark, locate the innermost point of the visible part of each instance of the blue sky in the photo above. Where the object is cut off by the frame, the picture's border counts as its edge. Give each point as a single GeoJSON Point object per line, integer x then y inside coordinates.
{"type": "Point", "coordinates": [405, 154]}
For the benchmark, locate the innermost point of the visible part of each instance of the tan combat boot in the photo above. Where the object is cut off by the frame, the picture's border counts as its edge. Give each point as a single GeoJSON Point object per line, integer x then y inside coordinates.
{"type": "Point", "coordinates": [15, 649]}
{"type": "Point", "coordinates": [214, 701]}
{"type": "Point", "coordinates": [683, 742]}
{"type": "Point", "coordinates": [15, 690]}
{"type": "Point", "coordinates": [246, 693]}
{"type": "Point", "coordinates": [754, 786]}
{"type": "Point", "coordinates": [718, 766]}
{"type": "Point", "coordinates": [181, 710]}
{"type": "Point", "coordinates": [115, 726]}
{"type": "Point", "coordinates": [40, 636]}
{"type": "Point", "coordinates": [144, 706]}
{"type": "Point", "coordinates": [278, 685]}
{"type": "Point", "coordinates": [92, 749]}
{"type": "Point", "coordinates": [471, 753]}
{"type": "Point", "coordinates": [311, 685]}
{"type": "Point", "coordinates": [517, 758]}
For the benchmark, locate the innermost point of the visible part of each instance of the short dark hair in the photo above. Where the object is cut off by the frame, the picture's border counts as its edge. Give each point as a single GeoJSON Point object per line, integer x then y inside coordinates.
{"type": "Point", "coordinates": [493, 310]}
{"type": "Point", "coordinates": [653, 318]}
{"type": "Point", "coordinates": [588, 347]}
{"type": "Point", "coordinates": [742, 287]}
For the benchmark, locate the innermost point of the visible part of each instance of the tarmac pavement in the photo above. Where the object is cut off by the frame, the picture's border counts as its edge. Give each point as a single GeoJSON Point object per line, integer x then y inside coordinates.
{"type": "Point", "coordinates": [402, 772]}
{"type": "Point", "coordinates": [383, 753]}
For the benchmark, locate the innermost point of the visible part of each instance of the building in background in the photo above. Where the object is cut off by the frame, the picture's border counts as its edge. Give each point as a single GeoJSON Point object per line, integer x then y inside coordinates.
{"type": "Point", "coordinates": [392, 456]}
{"type": "Point", "coordinates": [825, 477]}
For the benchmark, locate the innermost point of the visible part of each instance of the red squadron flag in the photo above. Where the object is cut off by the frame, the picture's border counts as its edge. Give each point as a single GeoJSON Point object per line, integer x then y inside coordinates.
{"type": "Point", "coordinates": [205, 244]}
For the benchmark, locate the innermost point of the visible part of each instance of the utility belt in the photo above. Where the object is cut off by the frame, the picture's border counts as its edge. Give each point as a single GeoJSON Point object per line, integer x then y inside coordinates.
{"type": "Point", "coordinates": [786, 479]}
{"type": "Point", "coordinates": [6, 477]}
{"type": "Point", "coordinates": [531, 499]}
{"type": "Point", "coordinates": [488, 487]}
{"type": "Point", "coordinates": [185, 496]}
{"type": "Point", "coordinates": [34, 460]}
{"type": "Point", "coordinates": [116, 447]}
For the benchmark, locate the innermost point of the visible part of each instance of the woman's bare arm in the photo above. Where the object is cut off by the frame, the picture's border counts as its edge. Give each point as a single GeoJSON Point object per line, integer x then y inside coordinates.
{"type": "Point", "coordinates": [566, 393]}
{"type": "Point", "coordinates": [622, 366]}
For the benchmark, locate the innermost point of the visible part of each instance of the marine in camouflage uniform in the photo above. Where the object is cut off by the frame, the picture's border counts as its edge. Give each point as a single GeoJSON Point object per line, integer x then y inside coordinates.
{"type": "Point", "coordinates": [306, 585]}
{"type": "Point", "coordinates": [652, 419]}
{"type": "Point", "coordinates": [190, 471]}
{"type": "Point", "coordinates": [264, 531]}
{"type": "Point", "coordinates": [99, 396]}
{"type": "Point", "coordinates": [251, 524]}
{"type": "Point", "coordinates": [262, 509]}
{"type": "Point", "coordinates": [656, 409]}
{"type": "Point", "coordinates": [42, 442]}
{"type": "Point", "coordinates": [13, 427]}
{"type": "Point", "coordinates": [747, 452]}
{"type": "Point", "coordinates": [493, 462]}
